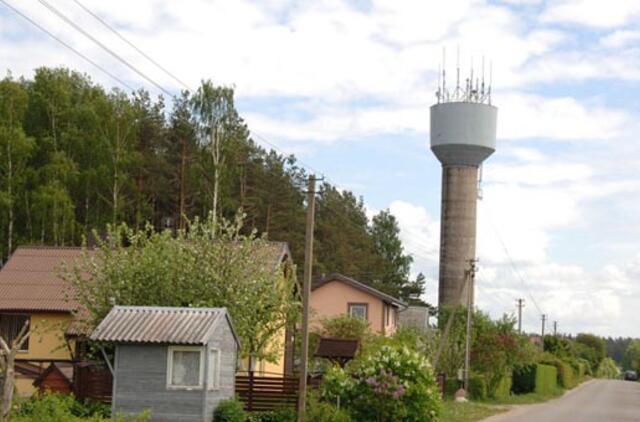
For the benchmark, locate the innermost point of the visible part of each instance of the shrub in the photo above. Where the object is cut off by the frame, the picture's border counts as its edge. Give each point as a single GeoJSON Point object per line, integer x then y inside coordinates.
{"type": "Point", "coordinates": [608, 369]}
{"type": "Point", "coordinates": [280, 415]}
{"type": "Point", "coordinates": [392, 384]}
{"type": "Point", "coordinates": [546, 379]}
{"type": "Point", "coordinates": [230, 410]}
{"type": "Point", "coordinates": [51, 407]}
{"type": "Point", "coordinates": [450, 387]}
{"type": "Point", "coordinates": [538, 378]}
{"type": "Point", "coordinates": [319, 411]}
{"type": "Point", "coordinates": [477, 387]}
{"type": "Point", "coordinates": [503, 389]}
{"type": "Point", "coordinates": [566, 375]}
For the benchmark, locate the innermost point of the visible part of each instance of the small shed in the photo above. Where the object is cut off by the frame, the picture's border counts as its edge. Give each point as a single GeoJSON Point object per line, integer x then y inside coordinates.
{"type": "Point", "coordinates": [57, 378]}
{"type": "Point", "coordinates": [177, 362]}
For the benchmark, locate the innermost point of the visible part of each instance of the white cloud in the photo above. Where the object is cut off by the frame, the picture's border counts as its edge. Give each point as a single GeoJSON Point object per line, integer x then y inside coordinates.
{"type": "Point", "coordinates": [597, 13]}
{"type": "Point", "coordinates": [621, 38]}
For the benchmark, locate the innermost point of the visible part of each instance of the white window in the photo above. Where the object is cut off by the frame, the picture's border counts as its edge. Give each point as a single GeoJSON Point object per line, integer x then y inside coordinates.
{"type": "Point", "coordinates": [213, 380]}
{"type": "Point", "coordinates": [185, 367]}
{"type": "Point", "coordinates": [358, 310]}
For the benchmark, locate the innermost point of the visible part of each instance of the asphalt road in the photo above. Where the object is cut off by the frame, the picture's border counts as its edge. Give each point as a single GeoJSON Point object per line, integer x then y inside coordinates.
{"type": "Point", "coordinates": [595, 401]}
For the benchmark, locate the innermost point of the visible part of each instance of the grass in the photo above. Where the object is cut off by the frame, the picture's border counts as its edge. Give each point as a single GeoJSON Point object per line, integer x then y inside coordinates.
{"type": "Point", "coordinates": [468, 411]}
{"type": "Point", "coordinates": [475, 411]}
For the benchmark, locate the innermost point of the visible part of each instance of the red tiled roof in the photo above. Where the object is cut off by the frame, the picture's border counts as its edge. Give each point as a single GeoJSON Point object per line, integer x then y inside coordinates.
{"type": "Point", "coordinates": [30, 280]}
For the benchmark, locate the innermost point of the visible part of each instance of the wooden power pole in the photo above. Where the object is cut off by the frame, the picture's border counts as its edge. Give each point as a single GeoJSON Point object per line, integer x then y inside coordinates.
{"type": "Point", "coordinates": [520, 306]}
{"type": "Point", "coordinates": [471, 274]}
{"type": "Point", "coordinates": [306, 292]}
{"type": "Point", "coordinates": [544, 319]}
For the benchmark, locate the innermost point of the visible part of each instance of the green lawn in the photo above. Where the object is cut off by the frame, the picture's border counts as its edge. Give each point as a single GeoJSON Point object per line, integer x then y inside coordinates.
{"type": "Point", "coordinates": [469, 411]}
{"type": "Point", "coordinates": [475, 411]}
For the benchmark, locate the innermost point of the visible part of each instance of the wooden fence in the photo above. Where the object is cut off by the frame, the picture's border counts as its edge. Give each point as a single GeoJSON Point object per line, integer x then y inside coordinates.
{"type": "Point", "coordinates": [92, 381]}
{"type": "Point", "coordinates": [259, 393]}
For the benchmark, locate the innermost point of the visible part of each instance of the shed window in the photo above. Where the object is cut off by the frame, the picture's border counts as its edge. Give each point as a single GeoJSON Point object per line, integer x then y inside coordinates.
{"type": "Point", "coordinates": [185, 367]}
{"type": "Point", "coordinates": [10, 327]}
{"type": "Point", "coordinates": [214, 369]}
{"type": "Point", "coordinates": [358, 310]}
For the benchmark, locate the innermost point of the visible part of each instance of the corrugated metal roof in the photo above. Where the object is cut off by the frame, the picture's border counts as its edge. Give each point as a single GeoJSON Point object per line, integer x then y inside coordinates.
{"type": "Point", "coordinates": [154, 324]}
{"type": "Point", "coordinates": [30, 280]}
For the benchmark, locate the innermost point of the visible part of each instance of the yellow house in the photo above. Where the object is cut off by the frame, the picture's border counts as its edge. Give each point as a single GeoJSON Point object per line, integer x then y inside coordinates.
{"type": "Point", "coordinates": [32, 292]}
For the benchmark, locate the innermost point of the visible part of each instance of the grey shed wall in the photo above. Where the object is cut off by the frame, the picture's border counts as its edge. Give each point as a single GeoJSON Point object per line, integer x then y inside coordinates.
{"type": "Point", "coordinates": [141, 378]}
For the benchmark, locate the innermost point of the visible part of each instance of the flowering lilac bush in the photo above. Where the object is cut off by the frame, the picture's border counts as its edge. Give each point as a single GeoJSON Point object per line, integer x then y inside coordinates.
{"type": "Point", "coordinates": [391, 384]}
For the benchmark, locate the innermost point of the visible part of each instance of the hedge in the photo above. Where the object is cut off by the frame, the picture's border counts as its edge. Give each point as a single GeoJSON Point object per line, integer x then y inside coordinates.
{"type": "Point", "coordinates": [503, 389]}
{"type": "Point", "coordinates": [566, 375]}
{"type": "Point", "coordinates": [538, 378]}
{"type": "Point", "coordinates": [477, 387]}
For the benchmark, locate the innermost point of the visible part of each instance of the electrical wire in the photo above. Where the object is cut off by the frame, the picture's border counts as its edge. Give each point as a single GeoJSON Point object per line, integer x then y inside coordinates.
{"type": "Point", "coordinates": [78, 28]}
{"type": "Point", "coordinates": [131, 44]}
{"type": "Point", "coordinates": [59, 40]}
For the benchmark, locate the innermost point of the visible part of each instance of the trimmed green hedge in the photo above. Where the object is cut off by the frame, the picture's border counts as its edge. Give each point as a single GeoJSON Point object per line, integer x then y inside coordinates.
{"type": "Point", "coordinates": [538, 378]}
{"type": "Point", "coordinates": [546, 379]}
{"type": "Point", "coordinates": [503, 389]}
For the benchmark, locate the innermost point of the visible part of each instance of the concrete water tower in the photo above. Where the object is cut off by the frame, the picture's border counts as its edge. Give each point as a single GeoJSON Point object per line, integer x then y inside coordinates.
{"type": "Point", "coordinates": [463, 135]}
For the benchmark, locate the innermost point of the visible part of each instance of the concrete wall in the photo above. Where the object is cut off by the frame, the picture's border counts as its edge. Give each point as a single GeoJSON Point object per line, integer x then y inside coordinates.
{"type": "Point", "coordinates": [458, 231]}
{"type": "Point", "coordinates": [332, 299]}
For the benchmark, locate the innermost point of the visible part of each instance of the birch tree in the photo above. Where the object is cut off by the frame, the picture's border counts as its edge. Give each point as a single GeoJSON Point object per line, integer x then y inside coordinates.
{"type": "Point", "coordinates": [8, 352]}
{"type": "Point", "coordinates": [15, 149]}
{"type": "Point", "coordinates": [215, 113]}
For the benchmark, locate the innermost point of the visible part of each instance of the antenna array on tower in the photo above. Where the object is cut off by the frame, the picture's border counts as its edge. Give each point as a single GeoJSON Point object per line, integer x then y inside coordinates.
{"type": "Point", "coordinates": [474, 90]}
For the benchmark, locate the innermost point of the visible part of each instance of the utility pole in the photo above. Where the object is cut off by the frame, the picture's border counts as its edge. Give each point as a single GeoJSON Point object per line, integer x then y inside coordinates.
{"type": "Point", "coordinates": [544, 319]}
{"type": "Point", "coordinates": [555, 328]}
{"type": "Point", "coordinates": [520, 306]}
{"type": "Point", "coordinates": [471, 274]}
{"type": "Point", "coordinates": [306, 292]}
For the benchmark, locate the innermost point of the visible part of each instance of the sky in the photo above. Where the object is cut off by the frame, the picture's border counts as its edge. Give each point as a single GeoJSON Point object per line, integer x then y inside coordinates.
{"type": "Point", "coordinates": [346, 85]}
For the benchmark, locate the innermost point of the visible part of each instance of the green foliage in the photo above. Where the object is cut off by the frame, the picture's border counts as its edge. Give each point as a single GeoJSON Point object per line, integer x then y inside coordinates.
{"type": "Point", "coordinates": [52, 407]}
{"type": "Point", "coordinates": [546, 379]}
{"type": "Point", "coordinates": [230, 410]}
{"type": "Point", "coordinates": [478, 387]}
{"type": "Point", "coordinates": [591, 348]}
{"type": "Point", "coordinates": [632, 356]}
{"type": "Point", "coordinates": [538, 378]}
{"type": "Point", "coordinates": [566, 374]}
{"type": "Point", "coordinates": [608, 369]}
{"type": "Point", "coordinates": [280, 415]}
{"type": "Point", "coordinates": [392, 384]}
{"type": "Point", "coordinates": [503, 389]}
{"type": "Point", "coordinates": [193, 267]}
{"type": "Point", "coordinates": [346, 326]}
{"type": "Point", "coordinates": [323, 411]}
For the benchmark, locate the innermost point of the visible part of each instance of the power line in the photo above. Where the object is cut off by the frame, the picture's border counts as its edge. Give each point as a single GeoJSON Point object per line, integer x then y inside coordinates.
{"type": "Point", "coordinates": [132, 45]}
{"type": "Point", "coordinates": [87, 59]}
{"type": "Point", "coordinates": [103, 46]}
{"type": "Point", "coordinates": [513, 266]}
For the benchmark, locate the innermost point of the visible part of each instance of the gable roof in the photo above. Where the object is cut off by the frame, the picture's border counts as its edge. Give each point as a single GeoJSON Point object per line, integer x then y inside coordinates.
{"type": "Point", "coordinates": [319, 282]}
{"type": "Point", "coordinates": [158, 324]}
{"type": "Point", "coordinates": [30, 281]}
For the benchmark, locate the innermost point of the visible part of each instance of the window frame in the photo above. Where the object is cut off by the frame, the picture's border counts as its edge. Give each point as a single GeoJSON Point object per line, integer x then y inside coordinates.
{"type": "Point", "coordinates": [25, 346]}
{"type": "Point", "coordinates": [213, 373]}
{"type": "Point", "coordinates": [363, 304]}
{"type": "Point", "coordinates": [170, 352]}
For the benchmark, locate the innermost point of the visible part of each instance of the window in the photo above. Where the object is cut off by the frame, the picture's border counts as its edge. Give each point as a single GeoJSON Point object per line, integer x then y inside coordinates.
{"type": "Point", "coordinates": [10, 327]}
{"type": "Point", "coordinates": [213, 380]}
{"type": "Point", "coordinates": [185, 367]}
{"type": "Point", "coordinates": [359, 310]}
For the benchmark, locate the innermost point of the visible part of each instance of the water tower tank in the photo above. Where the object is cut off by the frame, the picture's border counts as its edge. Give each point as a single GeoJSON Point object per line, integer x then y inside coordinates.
{"type": "Point", "coordinates": [463, 135]}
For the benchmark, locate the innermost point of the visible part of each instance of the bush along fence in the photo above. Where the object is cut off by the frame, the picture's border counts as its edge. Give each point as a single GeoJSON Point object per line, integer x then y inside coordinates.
{"type": "Point", "coordinates": [536, 378]}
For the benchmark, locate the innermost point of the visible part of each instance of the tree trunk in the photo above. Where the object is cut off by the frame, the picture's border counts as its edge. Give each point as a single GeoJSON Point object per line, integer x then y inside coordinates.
{"type": "Point", "coordinates": [7, 391]}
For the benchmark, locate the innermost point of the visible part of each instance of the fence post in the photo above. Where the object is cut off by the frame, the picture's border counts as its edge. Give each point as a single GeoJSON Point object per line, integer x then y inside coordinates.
{"type": "Point", "coordinates": [250, 404]}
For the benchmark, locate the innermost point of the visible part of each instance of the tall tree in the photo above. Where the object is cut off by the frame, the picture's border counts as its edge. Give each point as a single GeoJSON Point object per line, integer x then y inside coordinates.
{"type": "Point", "coordinates": [16, 149]}
{"type": "Point", "coordinates": [216, 115]}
